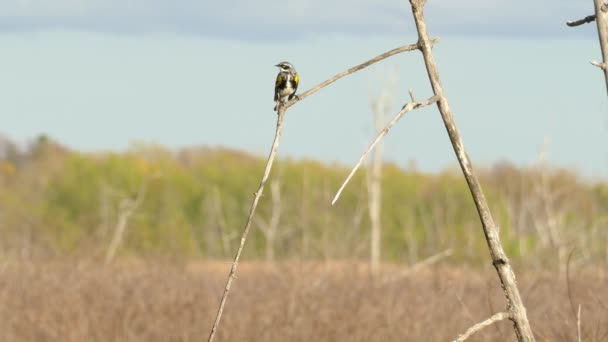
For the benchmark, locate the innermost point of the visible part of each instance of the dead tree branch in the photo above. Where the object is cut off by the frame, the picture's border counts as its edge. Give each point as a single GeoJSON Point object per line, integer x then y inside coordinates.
{"type": "Point", "coordinates": [407, 108]}
{"type": "Point", "coordinates": [601, 18]}
{"type": "Point", "coordinates": [380, 107]}
{"type": "Point", "coordinates": [515, 308]}
{"type": "Point", "coordinates": [254, 204]}
{"type": "Point", "coordinates": [356, 68]}
{"type": "Point", "coordinates": [578, 324]}
{"type": "Point", "coordinates": [496, 318]}
{"type": "Point", "coordinates": [601, 13]}
{"type": "Point", "coordinates": [126, 208]}
{"type": "Point", "coordinates": [585, 20]}
{"type": "Point", "coordinates": [275, 145]}
{"type": "Point", "coordinates": [270, 228]}
{"type": "Point", "coordinates": [418, 266]}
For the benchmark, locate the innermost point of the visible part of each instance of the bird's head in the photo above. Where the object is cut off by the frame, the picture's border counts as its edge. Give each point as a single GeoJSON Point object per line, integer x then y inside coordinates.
{"type": "Point", "coordinates": [286, 66]}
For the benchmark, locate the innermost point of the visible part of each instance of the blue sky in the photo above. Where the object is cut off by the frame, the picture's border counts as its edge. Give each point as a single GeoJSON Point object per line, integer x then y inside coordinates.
{"type": "Point", "coordinates": [98, 75]}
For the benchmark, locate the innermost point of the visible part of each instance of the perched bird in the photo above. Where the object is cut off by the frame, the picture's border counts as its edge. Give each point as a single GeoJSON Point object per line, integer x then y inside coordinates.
{"type": "Point", "coordinates": [286, 84]}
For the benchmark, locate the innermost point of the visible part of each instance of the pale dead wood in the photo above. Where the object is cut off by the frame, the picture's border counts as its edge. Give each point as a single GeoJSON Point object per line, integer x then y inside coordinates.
{"type": "Point", "coordinates": [380, 107]}
{"type": "Point", "coordinates": [585, 20]}
{"type": "Point", "coordinates": [578, 324]}
{"type": "Point", "coordinates": [598, 64]}
{"type": "Point", "coordinates": [601, 13]}
{"type": "Point", "coordinates": [515, 308]}
{"type": "Point", "coordinates": [270, 228]}
{"type": "Point", "coordinates": [254, 204]}
{"type": "Point", "coordinates": [356, 68]}
{"type": "Point", "coordinates": [418, 266]}
{"type": "Point", "coordinates": [407, 108]}
{"type": "Point", "coordinates": [601, 18]}
{"type": "Point", "coordinates": [218, 211]}
{"type": "Point", "coordinates": [281, 115]}
{"type": "Point", "coordinates": [126, 208]}
{"type": "Point", "coordinates": [495, 318]}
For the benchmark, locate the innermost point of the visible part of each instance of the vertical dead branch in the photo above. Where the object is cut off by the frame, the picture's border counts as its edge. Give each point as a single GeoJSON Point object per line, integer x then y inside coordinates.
{"type": "Point", "coordinates": [601, 18]}
{"type": "Point", "coordinates": [515, 306]}
{"type": "Point", "coordinates": [222, 224]}
{"type": "Point", "coordinates": [578, 324]}
{"type": "Point", "coordinates": [270, 228]}
{"type": "Point", "coordinates": [304, 217]}
{"type": "Point", "coordinates": [601, 14]}
{"type": "Point", "coordinates": [380, 107]}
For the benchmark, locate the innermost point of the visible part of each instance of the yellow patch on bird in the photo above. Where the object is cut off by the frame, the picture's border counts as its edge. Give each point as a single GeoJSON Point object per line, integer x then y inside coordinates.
{"type": "Point", "coordinates": [297, 79]}
{"type": "Point", "coordinates": [279, 79]}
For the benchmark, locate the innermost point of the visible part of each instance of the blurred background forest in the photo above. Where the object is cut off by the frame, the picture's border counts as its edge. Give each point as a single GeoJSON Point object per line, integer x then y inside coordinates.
{"type": "Point", "coordinates": [192, 203]}
{"type": "Point", "coordinates": [135, 245]}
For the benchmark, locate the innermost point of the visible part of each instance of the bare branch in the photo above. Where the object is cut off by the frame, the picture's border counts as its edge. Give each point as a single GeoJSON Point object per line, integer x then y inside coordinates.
{"type": "Point", "coordinates": [599, 65]}
{"type": "Point", "coordinates": [601, 13]}
{"type": "Point", "coordinates": [126, 208]}
{"type": "Point", "coordinates": [515, 306]}
{"type": "Point", "coordinates": [356, 68]}
{"type": "Point", "coordinates": [281, 115]}
{"type": "Point", "coordinates": [496, 318]}
{"type": "Point", "coordinates": [269, 228]}
{"type": "Point", "coordinates": [419, 265]}
{"type": "Point", "coordinates": [407, 108]}
{"type": "Point", "coordinates": [585, 20]}
{"type": "Point", "coordinates": [578, 324]}
{"type": "Point", "coordinates": [412, 95]}
{"type": "Point", "coordinates": [254, 204]}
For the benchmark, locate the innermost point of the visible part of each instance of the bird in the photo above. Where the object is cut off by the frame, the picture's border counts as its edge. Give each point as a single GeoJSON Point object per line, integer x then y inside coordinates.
{"type": "Point", "coordinates": [286, 84]}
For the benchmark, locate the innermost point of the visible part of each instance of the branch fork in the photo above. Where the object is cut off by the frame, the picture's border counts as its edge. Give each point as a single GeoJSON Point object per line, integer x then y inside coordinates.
{"type": "Point", "coordinates": [477, 327]}
{"type": "Point", "coordinates": [404, 110]}
{"type": "Point", "coordinates": [281, 110]}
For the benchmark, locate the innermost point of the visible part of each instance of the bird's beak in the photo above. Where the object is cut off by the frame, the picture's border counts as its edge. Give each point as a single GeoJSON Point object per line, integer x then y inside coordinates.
{"type": "Point", "coordinates": [277, 65]}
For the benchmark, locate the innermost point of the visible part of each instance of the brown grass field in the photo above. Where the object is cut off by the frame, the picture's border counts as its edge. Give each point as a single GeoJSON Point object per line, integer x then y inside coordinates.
{"type": "Point", "coordinates": [287, 302]}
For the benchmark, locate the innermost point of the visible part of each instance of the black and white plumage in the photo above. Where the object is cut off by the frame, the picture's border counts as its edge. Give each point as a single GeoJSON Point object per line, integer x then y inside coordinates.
{"type": "Point", "coordinates": [286, 84]}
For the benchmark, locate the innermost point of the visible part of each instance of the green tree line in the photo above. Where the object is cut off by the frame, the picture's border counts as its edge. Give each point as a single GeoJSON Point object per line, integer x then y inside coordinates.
{"type": "Point", "coordinates": [57, 202]}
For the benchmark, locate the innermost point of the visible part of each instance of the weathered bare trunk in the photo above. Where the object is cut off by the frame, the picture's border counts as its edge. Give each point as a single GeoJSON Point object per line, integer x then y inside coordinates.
{"type": "Point", "coordinates": [374, 188]}
{"type": "Point", "coordinates": [515, 308]}
{"type": "Point", "coordinates": [601, 17]}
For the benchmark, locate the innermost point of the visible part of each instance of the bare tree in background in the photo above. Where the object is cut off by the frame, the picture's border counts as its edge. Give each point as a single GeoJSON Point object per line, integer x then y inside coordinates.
{"type": "Point", "coordinates": [381, 107]}
{"type": "Point", "coordinates": [216, 213]}
{"type": "Point", "coordinates": [270, 227]}
{"type": "Point", "coordinates": [125, 209]}
{"type": "Point", "coordinates": [601, 18]}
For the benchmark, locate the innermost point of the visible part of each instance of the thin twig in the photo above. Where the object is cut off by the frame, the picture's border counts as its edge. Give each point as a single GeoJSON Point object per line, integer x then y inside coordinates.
{"type": "Point", "coordinates": [578, 323]}
{"type": "Point", "coordinates": [126, 208]}
{"type": "Point", "coordinates": [254, 204]}
{"type": "Point", "coordinates": [599, 65]}
{"type": "Point", "coordinates": [419, 265]}
{"type": "Point", "coordinates": [497, 317]}
{"type": "Point", "coordinates": [585, 20]}
{"type": "Point", "coordinates": [356, 68]}
{"type": "Point", "coordinates": [407, 108]}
